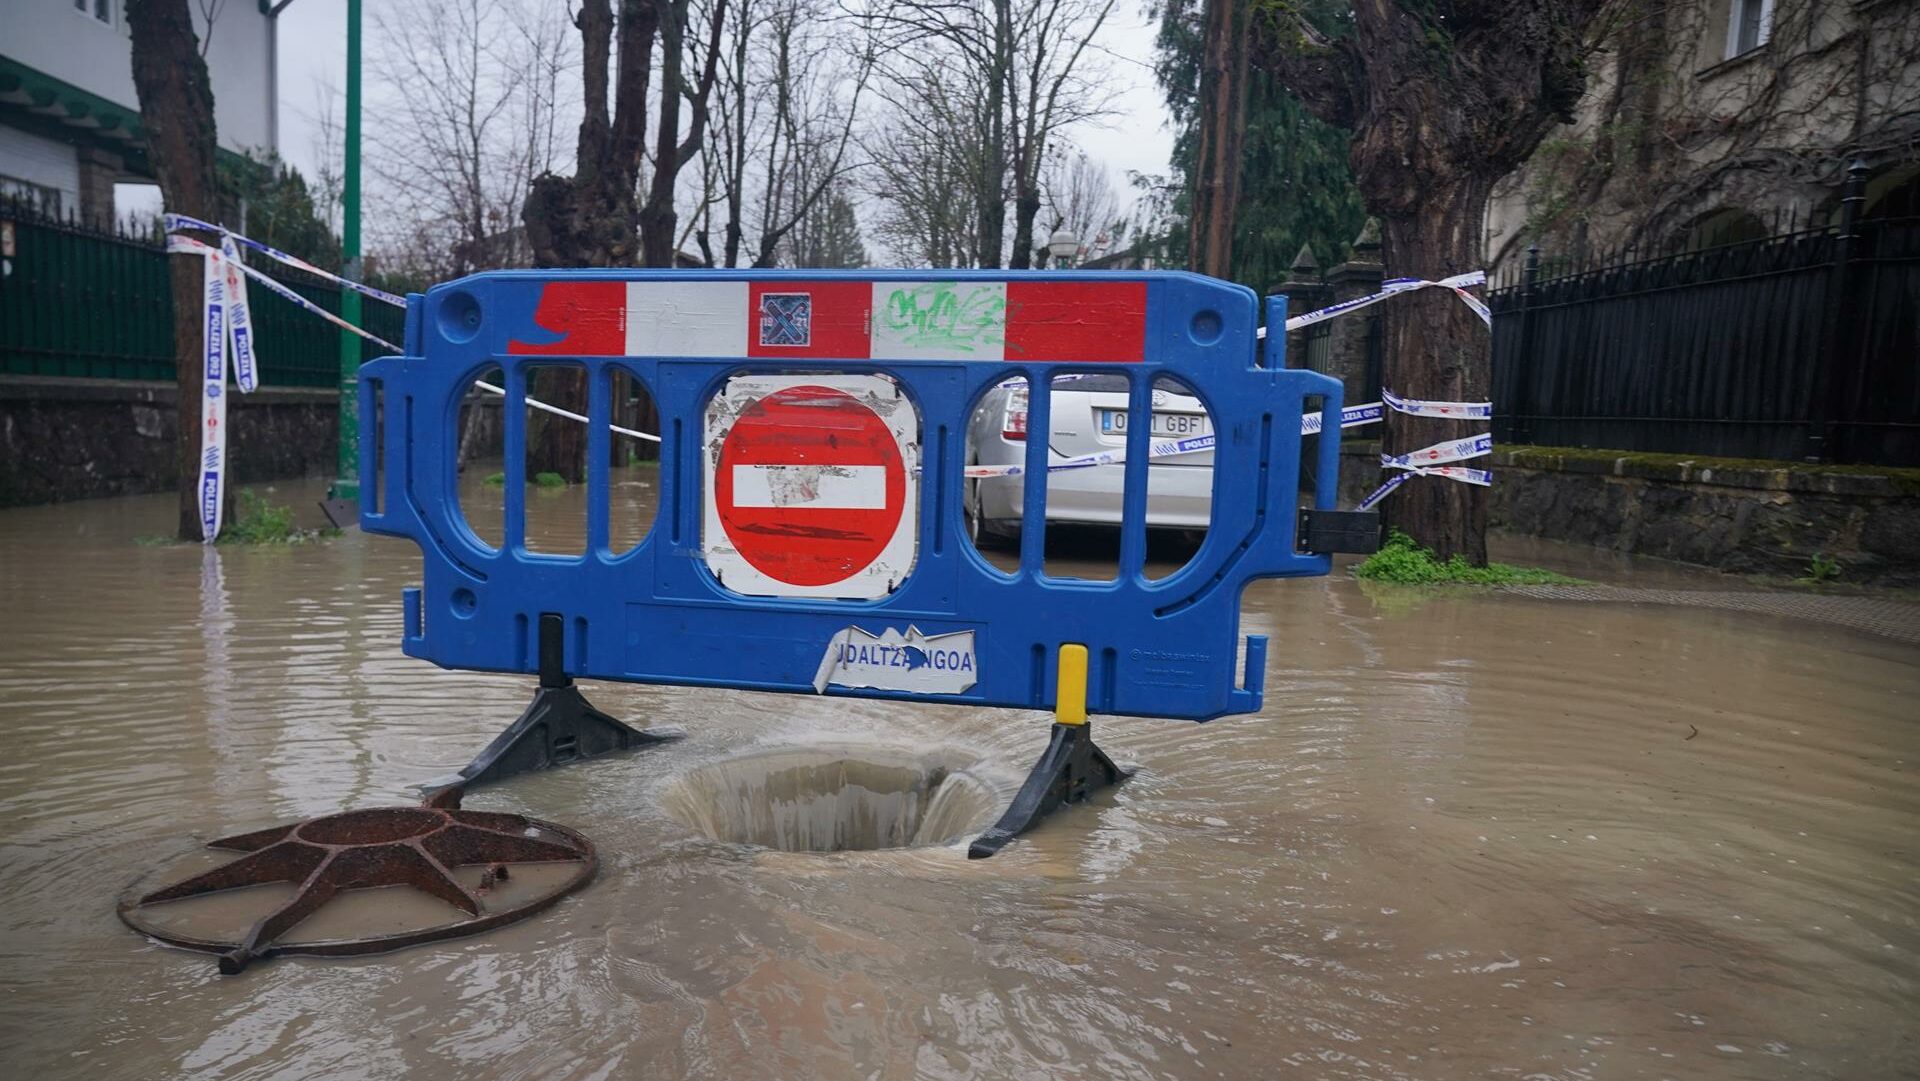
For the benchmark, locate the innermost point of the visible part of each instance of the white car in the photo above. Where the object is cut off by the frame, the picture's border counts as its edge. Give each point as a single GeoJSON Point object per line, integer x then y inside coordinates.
{"type": "Point", "coordinates": [1089, 416]}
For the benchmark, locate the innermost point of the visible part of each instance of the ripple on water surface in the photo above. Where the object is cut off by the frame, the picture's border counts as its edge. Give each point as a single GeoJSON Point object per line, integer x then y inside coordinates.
{"type": "Point", "coordinates": [1470, 836]}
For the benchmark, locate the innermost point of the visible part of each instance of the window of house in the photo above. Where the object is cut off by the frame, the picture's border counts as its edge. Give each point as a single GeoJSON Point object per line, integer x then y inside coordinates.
{"type": "Point", "coordinates": [1749, 24]}
{"type": "Point", "coordinates": [35, 196]}
{"type": "Point", "coordinates": [98, 9]}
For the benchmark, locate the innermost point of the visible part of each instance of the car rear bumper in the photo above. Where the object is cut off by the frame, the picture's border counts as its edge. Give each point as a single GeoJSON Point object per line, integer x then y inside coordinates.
{"type": "Point", "coordinates": [1178, 496]}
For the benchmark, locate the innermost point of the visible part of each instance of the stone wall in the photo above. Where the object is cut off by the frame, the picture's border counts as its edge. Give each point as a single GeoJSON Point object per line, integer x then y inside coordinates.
{"type": "Point", "coordinates": [1742, 516]}
{"type": "Point", "coordinates": [63, 439]}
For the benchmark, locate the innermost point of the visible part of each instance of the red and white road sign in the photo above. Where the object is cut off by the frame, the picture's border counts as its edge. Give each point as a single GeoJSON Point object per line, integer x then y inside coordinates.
{"type": "Point", "coordinates": [813, 484]}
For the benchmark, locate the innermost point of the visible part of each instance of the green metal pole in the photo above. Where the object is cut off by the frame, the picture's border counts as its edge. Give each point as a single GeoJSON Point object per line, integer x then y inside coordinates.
{"type": "Point", "coordinates": [347, 486]}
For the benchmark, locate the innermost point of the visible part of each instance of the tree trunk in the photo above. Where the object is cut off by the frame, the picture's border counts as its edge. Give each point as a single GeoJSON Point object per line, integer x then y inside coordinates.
{"type": "Point", "coordinates": [658, 218]}
{"type": "Point", "coordinates": [1026, 207]}
{"type": "Point", "coordinates": [1223, 122]}
{"type": "Point", "coordinates": [176, 109]}
{"type": "Point", "coordinates": [1436, 349]}
{"type": "Point", "coordinates": [591, 218]}
{"type": "Point", "coordinates": [989, 191]}
{"type": "Point", "coordinates": [1442, 104]}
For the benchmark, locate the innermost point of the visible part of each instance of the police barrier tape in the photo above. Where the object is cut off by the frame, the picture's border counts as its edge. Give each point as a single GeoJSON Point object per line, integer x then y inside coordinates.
{"type": "Point", "coordinates": [1459, 283]}
{"type": "Point", "coordinates": [1452, 450]}
{"type": "Point", "coordinates": [1414, 407]}
{"type": "Point", "coordinates": [190, 246]}
{"type": "Point", "coordinates": [1351, 417]}
{"type": "Point", "coordinates": [1452, 472]}
{"type": "Point", "coordinates": [239, 318]}
{"type": "Point", "coordinates": [213, 396]}
{"type": "Point", "coordinates": [177, 222]}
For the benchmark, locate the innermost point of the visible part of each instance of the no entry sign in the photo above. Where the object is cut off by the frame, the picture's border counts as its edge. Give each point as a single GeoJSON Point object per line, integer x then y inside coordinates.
{"type": "Point", "coordinates": [812, 485]}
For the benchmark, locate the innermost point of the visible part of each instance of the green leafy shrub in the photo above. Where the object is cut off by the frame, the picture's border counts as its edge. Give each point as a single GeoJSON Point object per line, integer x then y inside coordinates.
{"type": "Point", "coordinates": [1402, 560]}
{"type": "Point", "coordinates": [549, 480]}
{"type": "Point", "coordinates": [257, 521]}
{"type": "Point", "coordinates": [1821, 568]}
{"type": "Point", "coordinates": [496, 480]}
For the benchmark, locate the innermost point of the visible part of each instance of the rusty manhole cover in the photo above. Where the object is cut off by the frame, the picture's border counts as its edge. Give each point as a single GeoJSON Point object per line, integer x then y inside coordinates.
{"type": "Point", "coordinates": [324, 857]}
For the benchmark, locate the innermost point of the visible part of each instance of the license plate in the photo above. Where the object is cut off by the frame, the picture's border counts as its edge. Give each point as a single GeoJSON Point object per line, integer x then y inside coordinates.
{"type": "Point", "coordinates": [1167, 425]}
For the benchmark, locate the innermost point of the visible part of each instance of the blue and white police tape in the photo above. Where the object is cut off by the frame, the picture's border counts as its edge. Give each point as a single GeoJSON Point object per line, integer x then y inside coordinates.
{"type": "Point", "coordinates": [534, 403]}
{"type": "Point", "coordinates": [1414, 407]}
{"type": "Point", "coordinates": [213, 396]}
{"type": "Point", "coordinates": [239, 319]}
{"type": "Point", "coordinates": [1351, 417]}
{"type": "Point", "coordinates": [190, 246]}
{"type": "Point", "coordinates": [1453, 450]}
{"type": "Point", "coordinates": [1452, 472]}
{"type": "Point", "coordinates": [176, 222]}
{"type": "Point", "coordinates": [1459, 283]}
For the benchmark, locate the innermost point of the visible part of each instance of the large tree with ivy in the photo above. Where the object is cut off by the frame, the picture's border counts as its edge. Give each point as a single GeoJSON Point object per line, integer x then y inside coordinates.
{"type": "Point", "coordinates": [1294, 186]}
{"type": "Point", "coordinates": [1444, 97]}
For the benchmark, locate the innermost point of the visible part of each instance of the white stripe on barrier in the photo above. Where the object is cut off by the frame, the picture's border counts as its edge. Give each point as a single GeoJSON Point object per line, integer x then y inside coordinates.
{"type": "Point", "coordinates": [810, 487]}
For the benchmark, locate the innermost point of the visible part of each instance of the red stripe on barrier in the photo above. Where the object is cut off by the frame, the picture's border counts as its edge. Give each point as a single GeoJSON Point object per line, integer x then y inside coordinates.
{"type": "Point", "coordinates": [1101, 322]}
{"type": "Point", "coordinates": [809, 319]}
{"type": "Point", "coordinates": [590, 317]}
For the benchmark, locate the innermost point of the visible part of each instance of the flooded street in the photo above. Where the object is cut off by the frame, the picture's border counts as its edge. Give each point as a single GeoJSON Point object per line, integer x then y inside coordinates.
{"type": "Point", "coordinates": [1472, 835]}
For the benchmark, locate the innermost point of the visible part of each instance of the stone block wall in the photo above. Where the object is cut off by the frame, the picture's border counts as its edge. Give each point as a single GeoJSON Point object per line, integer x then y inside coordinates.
{"type": "Point", "coordinates": [1741, 516]}
{"type": "Point", "coordinates": [63, 439]}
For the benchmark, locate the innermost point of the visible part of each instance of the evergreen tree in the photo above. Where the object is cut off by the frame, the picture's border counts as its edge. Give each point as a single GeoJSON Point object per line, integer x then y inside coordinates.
{"type": "Point", "coordinates": [279, 209]}
{"type": "Point", "coordinates": [829, 238]}
{"type": "Point", "coordinates": [1295, 186]}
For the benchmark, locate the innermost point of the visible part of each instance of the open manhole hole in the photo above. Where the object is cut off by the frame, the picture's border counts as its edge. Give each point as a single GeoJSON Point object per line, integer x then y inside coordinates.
{"type": "Point", "coordinates": [823, 799]}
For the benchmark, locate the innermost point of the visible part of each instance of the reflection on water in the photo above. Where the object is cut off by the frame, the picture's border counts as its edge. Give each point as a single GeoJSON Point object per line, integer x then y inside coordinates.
{"type": "Point", "coordinates": [1472, 836]}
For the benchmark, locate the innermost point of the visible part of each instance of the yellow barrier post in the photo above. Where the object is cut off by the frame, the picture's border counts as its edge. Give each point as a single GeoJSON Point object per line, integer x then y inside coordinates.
{"type": "Point", "coordinates": [1070, 692]}
{"type": "Point", "coordinates": [1071, 767]}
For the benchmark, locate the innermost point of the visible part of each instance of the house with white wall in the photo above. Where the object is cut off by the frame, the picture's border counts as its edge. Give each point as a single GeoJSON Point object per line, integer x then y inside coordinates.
{"type": "Point", "coordinates": [69, 116]}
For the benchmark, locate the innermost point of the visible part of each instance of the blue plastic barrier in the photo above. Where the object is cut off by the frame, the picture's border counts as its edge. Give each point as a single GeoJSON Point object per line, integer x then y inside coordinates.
{"type": "Point", "coordinates": [658, 614]}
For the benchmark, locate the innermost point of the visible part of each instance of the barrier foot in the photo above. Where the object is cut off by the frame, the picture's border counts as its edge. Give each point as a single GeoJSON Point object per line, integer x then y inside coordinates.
{"type": "Point", "coordinates": [559, 726]}
{"type": "Point", "coordinates": [1069, 770]}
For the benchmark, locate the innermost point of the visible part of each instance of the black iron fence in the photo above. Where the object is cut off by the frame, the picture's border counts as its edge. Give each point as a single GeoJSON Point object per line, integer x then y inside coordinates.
{"type": "Point", "coordinates": [83, 301]}
{"type": "Point", "coordinates": [1804, 345]}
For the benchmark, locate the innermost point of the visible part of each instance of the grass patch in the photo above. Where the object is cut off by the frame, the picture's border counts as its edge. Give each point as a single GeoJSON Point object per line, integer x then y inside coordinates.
{"type": "Point", "coordinates": [1403, 561]}
{"type": "Point", "coordinates": [549, 480]}
{"type": "Point", "coordinates": [257, 521]}
{"type": "Point", "coordinates": [1821, 569]}
{"type": "Point", "coordinates": [496, 480]}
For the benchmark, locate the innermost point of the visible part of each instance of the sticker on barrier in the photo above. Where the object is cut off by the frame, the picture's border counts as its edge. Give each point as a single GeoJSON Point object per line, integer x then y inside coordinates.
{"type": "Point", "coordinates": [814, 482]}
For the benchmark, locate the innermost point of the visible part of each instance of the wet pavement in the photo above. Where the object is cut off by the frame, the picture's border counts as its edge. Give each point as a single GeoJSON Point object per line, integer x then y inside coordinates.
{"type": "Point", "coordinates": [1472, 835]}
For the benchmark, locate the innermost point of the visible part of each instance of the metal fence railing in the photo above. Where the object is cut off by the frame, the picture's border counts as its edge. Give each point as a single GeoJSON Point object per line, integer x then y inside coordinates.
{"type": "Point", "coordinates": [96, 303]}
{"type": "Point", "coordinates": [1804, 345]}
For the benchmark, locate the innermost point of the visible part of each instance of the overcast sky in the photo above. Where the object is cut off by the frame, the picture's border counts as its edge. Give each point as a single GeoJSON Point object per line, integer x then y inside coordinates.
{"type": "Point", "coordinates": [313, 46]}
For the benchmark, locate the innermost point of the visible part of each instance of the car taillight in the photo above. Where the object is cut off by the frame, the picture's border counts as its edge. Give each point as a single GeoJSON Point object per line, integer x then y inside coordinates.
{"type": "Point", "coordinates": [1014, 424]}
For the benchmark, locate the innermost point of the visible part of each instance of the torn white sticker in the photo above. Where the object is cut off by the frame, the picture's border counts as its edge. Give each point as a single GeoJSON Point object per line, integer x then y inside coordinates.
{"type": "Point", "coordinates": [891, 661]}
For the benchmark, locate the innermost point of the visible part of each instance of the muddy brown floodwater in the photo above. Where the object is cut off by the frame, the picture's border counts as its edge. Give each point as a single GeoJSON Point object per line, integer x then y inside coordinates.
{"type": "Point", "coordinates": [1471, 836]}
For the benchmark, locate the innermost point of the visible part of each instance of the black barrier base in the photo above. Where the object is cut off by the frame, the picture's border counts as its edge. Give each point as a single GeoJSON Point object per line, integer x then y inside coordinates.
{"type": "Point", "coordinates": [1069, 770]}
{"type": "Point", "coordinates": [341, 513]}
{"type": "Point", "coordinates": [559, 726]}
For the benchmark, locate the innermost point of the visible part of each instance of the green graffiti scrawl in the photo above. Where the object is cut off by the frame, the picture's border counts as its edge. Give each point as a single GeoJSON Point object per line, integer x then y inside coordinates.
{"type": "Point", "coordinates": [947, 315]}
